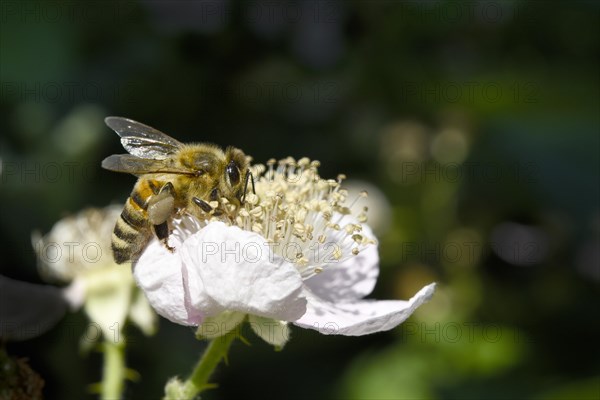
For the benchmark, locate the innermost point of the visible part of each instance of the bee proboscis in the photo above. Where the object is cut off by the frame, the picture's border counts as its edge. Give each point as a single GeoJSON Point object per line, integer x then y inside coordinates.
{"type": "Point", "coordinates": [172, 178]}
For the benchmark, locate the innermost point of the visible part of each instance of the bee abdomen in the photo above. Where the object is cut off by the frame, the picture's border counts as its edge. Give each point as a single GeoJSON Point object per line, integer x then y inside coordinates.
{"type": "Point", "coordinates": [132, 230]}
{"type": "Point", "coordinates": [131, 233]}
{"type": "Point", "coordinates": [123, 230]}
{"type": "Point", "coordinates": [138, 200]}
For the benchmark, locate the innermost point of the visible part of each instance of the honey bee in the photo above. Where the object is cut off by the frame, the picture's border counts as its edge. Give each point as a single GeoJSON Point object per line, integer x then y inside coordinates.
{"type": "Point", "coordinates": [172, 178]}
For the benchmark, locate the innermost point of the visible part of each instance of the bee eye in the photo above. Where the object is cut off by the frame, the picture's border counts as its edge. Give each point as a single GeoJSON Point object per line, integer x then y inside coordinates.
{"type": "Point", "coordinates": [233, 173]}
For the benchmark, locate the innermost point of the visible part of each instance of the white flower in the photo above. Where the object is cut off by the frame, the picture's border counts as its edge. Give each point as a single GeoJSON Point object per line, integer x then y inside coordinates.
{"type": "Point", "coordinates": [77, 251]}
{"type": "Point", "coordinates": [293, 253]}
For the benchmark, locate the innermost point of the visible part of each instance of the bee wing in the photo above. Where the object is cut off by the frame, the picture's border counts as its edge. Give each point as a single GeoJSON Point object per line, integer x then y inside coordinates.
{"type": "Point", "coordinates": [138, 166]}
{"type": "Point", "coordinates": [141, 140]}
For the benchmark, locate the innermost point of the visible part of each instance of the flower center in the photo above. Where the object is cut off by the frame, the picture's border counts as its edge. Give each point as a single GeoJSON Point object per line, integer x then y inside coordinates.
{"type": "Point", "coordinates": [304, 218]}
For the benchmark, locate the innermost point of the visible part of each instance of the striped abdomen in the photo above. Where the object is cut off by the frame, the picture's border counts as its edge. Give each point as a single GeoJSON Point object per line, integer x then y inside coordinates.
{"type": "Point", "coordinates": [133, 230]}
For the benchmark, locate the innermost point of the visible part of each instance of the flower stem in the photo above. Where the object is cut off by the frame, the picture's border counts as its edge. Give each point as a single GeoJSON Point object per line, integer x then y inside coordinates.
{"type": "Point", "coordinates": [198, 381]}
{"type": "Point", "coordinates": [113, 374]}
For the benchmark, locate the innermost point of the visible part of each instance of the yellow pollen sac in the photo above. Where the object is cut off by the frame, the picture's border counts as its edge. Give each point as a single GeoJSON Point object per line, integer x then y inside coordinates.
{"type": "Point", "coordinates": [304, 162]}
{"type": "Point", "coordinates": [256, 227]}
{"type": "Point", "coordinates": [321, 239]}
{"type": "Point", "coordinates": [323, 205]}
{"type": "Point", "coordinates": [244, 213]}
{"type": "Point", "coordinates": [303, 262]}
{"type": "Point", "coordinates": [299, 228]}
{"type": "Point", "coordinates": [322, 185]}
{"type": "Point", "coordinates": [284, 208]}
{"type": "Point", "coordinates": [355, 251]}
{"type": "Point", "coordinates": [357, 238]}
{"type": "Point", "coordinates": [251, 199]}
{"type": "Point", "coordinates": [256, 212]}
{"type": "Point", "coordinates": [318, 270]}
{"type": "Point", "coordinates": [312, 205]}
{"type": "Point", "coordinates": [344, 210]}
{"type": "Point", "coordinates": [337, 253]}
{"type": "Point", "coordinates": [258, 170]}
{"type": "Point", "coordinates": [337, 197]}
{"type": "Point", "coordinates": [301, 214]}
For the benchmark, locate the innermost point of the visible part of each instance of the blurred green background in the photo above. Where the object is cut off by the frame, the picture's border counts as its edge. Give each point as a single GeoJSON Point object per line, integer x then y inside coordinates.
{"type": "Point", "coordinates": [478, 122]}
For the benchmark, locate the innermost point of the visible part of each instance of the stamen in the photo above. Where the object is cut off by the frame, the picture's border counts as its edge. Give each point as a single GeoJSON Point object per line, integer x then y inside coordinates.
{"type": "Point", "coordinates": [363, 194]}
{"type": "Point", "coordinates": [293, 207]}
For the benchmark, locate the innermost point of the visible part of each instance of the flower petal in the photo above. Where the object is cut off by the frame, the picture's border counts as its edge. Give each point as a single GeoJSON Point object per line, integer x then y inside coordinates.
{"type": "Point", "coordinates": [239, 272]}
{"type": "Point", "coordinates": [274, 332]}
{"type": "Point", "coordinates": [158, 272]}
{"type": "Point", "coordinates": [360, 317]}
{"type": "Point", "coordinates": [141, 314]}
{"type": "Point", "coordinates": [74, 294]}
{"type": "Point", "coordinates": [349, 280]}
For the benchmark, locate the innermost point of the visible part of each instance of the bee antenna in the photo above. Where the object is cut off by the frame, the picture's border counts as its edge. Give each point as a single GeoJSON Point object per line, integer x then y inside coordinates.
{"type": "Point", "coordinates": [249, 177]}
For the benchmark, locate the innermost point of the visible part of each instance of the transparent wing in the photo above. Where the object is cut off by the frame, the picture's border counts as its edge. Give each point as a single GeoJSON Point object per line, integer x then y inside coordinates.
{"type": "Point", "coordinates": [141, 140]}
{"type": "Point", "coordinates": [138, 166]}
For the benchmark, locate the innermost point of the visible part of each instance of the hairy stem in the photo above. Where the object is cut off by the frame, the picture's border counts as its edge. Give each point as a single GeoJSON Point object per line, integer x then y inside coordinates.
{"type": "Point", "coordinates": [198, 380]}
{"type": "Point", "coordinates": [113, 374]}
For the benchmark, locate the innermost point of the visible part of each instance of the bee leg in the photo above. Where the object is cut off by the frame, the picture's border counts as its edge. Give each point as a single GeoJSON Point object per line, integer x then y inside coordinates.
{"type": "Point", "coordinates": [160, 208]}
{"type": "Point", "coordinates": [162, 233]}
{"type": "Point", "coordinates": [202, 204]}
{"type": "Point", "coordinates": [167, 188]}
{"type": "Point", "coordinates": [215, 195]}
